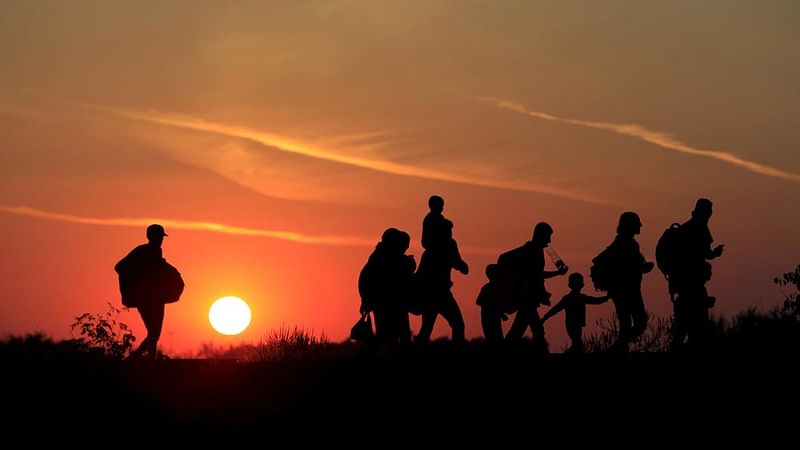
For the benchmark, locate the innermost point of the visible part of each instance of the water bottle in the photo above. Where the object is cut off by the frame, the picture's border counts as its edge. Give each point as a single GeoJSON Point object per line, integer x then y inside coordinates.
{"type": "Point", "coordinates": [555, 258]}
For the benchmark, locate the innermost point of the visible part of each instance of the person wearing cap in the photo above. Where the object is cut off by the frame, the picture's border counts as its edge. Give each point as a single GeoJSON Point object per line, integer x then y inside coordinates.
{"type": "Point", "coordinates": [625, 287]}
{"type": "Point", "coordinates": [135, 271]}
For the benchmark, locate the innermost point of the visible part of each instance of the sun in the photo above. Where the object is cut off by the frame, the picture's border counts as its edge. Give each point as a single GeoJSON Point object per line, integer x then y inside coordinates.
{"type": "Point", "coordinates": [229, 315]}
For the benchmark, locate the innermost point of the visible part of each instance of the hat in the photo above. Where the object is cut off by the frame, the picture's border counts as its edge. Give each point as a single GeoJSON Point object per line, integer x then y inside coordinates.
{"type": "Point", "coordinates": [156, 230]}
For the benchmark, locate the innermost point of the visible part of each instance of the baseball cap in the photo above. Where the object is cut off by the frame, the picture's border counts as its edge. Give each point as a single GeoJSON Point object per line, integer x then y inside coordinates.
{"type": "Point", "coordinates": [156, 230]}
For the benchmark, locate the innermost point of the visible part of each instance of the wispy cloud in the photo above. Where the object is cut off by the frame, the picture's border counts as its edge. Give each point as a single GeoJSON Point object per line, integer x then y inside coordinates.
{"type": "Point", "coordinates": [323, 153]}
{"type": "Point", "coordinates": [658, 138]}
{"type": "Point", "coordinates": [189, 225]}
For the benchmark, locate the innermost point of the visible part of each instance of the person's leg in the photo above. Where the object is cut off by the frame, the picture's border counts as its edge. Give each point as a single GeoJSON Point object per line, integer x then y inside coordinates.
{"type": "Point", "coordinates": [678, 330]}
{"type": "Point", "coordinates": [402, 324]}
{"type": "Point", "coordinates": [537, 331]}
{"type": "Point", "coordinates": [574, 333]}
{"type": "Point", "coordinates": [428, 321]}
{"type": "Point", "coordinates": [452, 314]}
{"type": "Point", "coordinates": [492, 324]}
{"type": "Point", "coordinates": [384, 328]}
{"type": "Point", "coordinates": [153, 318]}
{"type": "Point", "coordinates": [698, 319]}
{"type": "Point", "coordinates": [624, 319]}
{"type": "Point", "coordinates": [638, 316]}
{"type": "Point", "coordinates": [520, 324]}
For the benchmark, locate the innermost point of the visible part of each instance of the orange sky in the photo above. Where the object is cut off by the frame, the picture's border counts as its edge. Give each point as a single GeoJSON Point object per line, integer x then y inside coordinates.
{"type": "Point", "coordinates": [275, 142]}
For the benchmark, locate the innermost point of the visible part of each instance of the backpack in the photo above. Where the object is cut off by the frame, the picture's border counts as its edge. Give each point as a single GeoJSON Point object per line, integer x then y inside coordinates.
{"type": "Point", "coordinates": [602, 270]}
{"type": "Point", "coordinates": [668, 249]}
{"type": "Point", "coordinates": [505, 293]}
{"type": "Point", "coordinates": [169, 283]}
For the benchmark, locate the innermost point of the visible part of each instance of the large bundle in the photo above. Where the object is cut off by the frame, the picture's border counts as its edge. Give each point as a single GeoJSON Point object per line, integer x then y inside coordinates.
{"type": "Point", "coordinates": [156, 283]}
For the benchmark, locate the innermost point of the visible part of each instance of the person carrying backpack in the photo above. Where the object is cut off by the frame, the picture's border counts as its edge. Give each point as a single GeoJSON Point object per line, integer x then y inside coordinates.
{"type": "Point", "coordinates": [688, 276]}
{"type": "Point", "coordinates": [625, 266]}
{"type": "Point", "coordinates": [385, 285]}
{"type": "Point", "coordinates": [147, 282]}
{"type": "Point", "coordinates": [527, 268]}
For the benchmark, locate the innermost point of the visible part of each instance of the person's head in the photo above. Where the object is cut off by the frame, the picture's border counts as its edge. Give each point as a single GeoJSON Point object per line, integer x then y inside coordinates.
{"type": "Point", "coordinates": [155, 234]}
{"type": "Point", "coordinates": [394, 240]}
{"type": "Point", "coordinates": [542, 234]}
{"type": "Point", "coordinates": [629, 224]}
{"type": "Point", "coordinates": [436, 204]}
{"type": "Point", "coordinates": [703, 210]}
{"type": "Point", "coordinates": [403, 241]}
{"type": "Point", "coordinates": [491, 272]}
{"type": "Point", "coordinates": [575, 281]}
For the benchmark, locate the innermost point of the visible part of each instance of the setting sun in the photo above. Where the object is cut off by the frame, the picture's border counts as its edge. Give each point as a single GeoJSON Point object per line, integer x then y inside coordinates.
{"type": "Point", "coordinates": [229, 315]}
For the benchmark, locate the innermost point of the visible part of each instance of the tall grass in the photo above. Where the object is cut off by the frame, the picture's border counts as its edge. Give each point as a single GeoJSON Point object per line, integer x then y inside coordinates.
{"type": "Point", "coordinates": [656, 336]}
{"type": "Point", "coordinates": [278, 345]}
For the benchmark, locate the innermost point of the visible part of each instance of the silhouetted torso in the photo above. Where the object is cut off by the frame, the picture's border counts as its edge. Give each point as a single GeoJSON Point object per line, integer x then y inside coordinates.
{"type": "Point", "coordinates": [133, 270]}
{"type": "Point", "coordinates": [526, 265]}
{"type": "Point", "coordinates": [574, 305]}
{"type": "Point", "coordinates": [628, 261]}
{"type": "Point", "coordinates": [696, 239]}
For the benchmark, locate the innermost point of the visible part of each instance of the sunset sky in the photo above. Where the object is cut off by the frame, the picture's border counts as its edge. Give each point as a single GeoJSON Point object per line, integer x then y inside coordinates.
{"type": "Point", "coordinates": [275, 141]}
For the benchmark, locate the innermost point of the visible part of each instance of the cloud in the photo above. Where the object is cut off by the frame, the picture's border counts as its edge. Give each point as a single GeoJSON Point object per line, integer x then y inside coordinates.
{"type": "Point", "coordinates": [658, 138]}
{"type": "Point", "coordinates": [189, 225]}
{"type": "Point", "coordinates": [294, 146]}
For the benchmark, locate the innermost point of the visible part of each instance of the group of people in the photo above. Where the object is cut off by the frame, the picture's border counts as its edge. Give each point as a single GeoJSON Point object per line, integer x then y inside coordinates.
{"type": "Point", "coordinates": [392, 286]}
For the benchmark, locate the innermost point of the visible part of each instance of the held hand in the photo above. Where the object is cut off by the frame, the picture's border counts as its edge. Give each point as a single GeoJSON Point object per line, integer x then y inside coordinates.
{"type": "Point", "coordinates": [717, 252]}
{"type": "Point", "coordinates": [563, 270]}
{"type": "Point", "coordinates": [647, 267]}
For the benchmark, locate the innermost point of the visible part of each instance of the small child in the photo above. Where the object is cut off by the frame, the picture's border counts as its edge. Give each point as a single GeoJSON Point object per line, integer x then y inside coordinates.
{"type": "Point", "coordinates": [491, 313]}
{"type": "Point", "coordinates": [574, 305]}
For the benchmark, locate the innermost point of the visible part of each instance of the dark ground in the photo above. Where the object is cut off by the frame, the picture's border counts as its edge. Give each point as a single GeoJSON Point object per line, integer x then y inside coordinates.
{"type": "Point", "coordinates": [507, 396]}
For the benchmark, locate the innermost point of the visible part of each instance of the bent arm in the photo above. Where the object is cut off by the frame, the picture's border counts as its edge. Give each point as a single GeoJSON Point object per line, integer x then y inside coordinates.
{"type": "Point", "coordinates": [554, 273]}
{"type": "Point", "coordinates": [590, 300]}
{"type": "Point", "coordinates": [554, 310]}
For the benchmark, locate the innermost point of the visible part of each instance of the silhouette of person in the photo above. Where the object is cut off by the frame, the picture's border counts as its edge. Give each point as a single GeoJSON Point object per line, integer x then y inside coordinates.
{"type": "Point", "coordinates": [625, 286]}
{"type": "Point", "coordinates": [441, 255]}
{"type": "Point", "coordinates": [526, 264]}
{"type": "Point", "coordinates": [692, 302]}
{"type": "Point", "coordinates": [492, 315]}
{"type": "Point", "coordinates": [137, 271]}
{"type": "Point", "coordinates": [574, 306]}
{"type": "Point", "coordinates": [384, 285]}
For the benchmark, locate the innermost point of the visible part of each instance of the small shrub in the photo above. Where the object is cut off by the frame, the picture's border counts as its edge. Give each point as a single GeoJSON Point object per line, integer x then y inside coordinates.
{"type": "Point", "coordinates": [103, 333]}
{"type": "Point", "coordinates": [791, 303]}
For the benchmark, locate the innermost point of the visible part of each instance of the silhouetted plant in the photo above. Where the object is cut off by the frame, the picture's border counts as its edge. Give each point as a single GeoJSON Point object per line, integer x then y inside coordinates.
{"type": "Point", "coordinates": [38, 346]}
{"type": "Point", "coordinates": [283, 343]}
{"type": "Point", "coordinates": [655, 338]}
{"type": "Point", "coordinates": [776, 330]}
{"type": "Point", "coordinates": [602, 339]}
{"type": "Point", "coordinates": [792, 300]}
{"type": "Point", "coordinates": [279, 345]}
{"type": "Point", "coordinates": [103, 333]}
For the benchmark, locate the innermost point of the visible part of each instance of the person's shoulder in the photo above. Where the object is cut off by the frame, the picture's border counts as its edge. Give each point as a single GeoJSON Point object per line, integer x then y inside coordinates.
{"type": "Point", "coordinates": [140, 250]}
